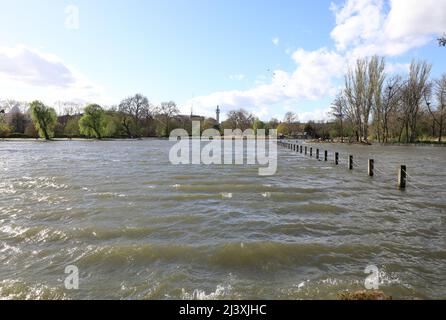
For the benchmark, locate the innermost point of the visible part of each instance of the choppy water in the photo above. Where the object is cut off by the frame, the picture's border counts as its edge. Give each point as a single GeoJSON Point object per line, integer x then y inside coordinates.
{"type": "Point", "coordinates": [140, 228]}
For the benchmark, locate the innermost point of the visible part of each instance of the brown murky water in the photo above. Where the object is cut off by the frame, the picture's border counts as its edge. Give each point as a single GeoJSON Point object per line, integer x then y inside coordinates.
{"type": "Point", "coordinates": [140, 228]}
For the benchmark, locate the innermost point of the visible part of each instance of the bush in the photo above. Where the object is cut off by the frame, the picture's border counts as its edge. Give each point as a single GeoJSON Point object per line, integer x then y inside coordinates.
{"type": "Point", "coordinates": [31, 131]}
{"type": "Point", "coordinates": [5, 130]}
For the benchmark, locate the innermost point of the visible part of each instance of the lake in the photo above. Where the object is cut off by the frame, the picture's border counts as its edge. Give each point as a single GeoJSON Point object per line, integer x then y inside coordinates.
{"type": "Point", "coordinates": [137, 227]}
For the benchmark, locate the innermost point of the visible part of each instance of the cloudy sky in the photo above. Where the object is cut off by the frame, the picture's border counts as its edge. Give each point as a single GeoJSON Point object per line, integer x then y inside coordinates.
{"type": "Point", "coordinates": [266, 56]}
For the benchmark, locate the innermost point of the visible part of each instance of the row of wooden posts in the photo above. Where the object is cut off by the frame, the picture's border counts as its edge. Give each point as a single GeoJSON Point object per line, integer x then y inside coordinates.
{"type": "Point", "coordinates": [402, 172]}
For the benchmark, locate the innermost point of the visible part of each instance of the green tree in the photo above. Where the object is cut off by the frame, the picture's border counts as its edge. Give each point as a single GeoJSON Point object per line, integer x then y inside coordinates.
{"type": "Point", "coordinates": [44, 119]}
{"type": "Point", "coordinates": [93, 122]}
{"type": "Point", "coordinates": [72, 127]}
{"type": "Point", "coordinates": [258, 125]}
{"type": "Point", "coordinates": [113, 127]}
{"type": "Point", "coordinates": [284, 129]}
{"type": "Point", "coordinates": [5, 129]}
{"type": "Point", "coordinates": [210, 123]}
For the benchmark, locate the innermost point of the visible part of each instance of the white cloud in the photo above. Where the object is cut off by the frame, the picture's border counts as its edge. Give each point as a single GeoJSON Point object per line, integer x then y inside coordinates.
{"type": "Point", "coordinates": [356, 21]}
{"type": "Point", "coordinates": [367, 27]}
{"type": "Point", "coordinates": [238, 77]}
{"type": "Point", "coordinates": [28, 74]}
{"type": "Point", "coordinates": [363, 28]}
{"type": "Point", "coordinates": [315, 115]}
{"type": "Point", "coordinates": [310, 81]}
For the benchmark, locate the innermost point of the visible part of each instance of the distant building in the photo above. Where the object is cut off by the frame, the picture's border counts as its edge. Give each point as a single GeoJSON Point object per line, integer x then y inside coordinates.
{"type": "Point", "coordinates": [218, 115]}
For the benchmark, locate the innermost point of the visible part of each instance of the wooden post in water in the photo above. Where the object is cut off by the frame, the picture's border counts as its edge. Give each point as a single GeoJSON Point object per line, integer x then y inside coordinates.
{"type": "Point", "coordinates": [311, 152]}
{"type": "Point", "coordinates": [317, 154]}
{"type": "Point", "coordinates": [350, 163]}
{"type": "Point", "coordinates": [336, 159]}
{"type": "Point", "coordinates": [402, 177]}
{"type": "Point", "coordinates": [371, 167]}
{"type": "Point", "coordinates": [326, 155]}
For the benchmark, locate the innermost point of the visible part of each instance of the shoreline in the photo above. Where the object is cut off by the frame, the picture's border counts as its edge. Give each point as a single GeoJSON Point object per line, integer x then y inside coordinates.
{"type": "Point", "coordinates": [396, 144]}
{"type": "Point", "coordinates": [371, 144]}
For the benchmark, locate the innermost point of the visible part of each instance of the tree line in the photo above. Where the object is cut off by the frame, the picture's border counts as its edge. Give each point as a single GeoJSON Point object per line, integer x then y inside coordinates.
{"type": "Point", "coordinates": [134, 117]}
{"type": "Point", "coordinates": [374, 106]}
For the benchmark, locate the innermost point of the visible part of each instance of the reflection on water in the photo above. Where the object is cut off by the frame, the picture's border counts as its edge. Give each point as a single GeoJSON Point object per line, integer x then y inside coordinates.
{"type": "Point", "coordinates": [138, 227]}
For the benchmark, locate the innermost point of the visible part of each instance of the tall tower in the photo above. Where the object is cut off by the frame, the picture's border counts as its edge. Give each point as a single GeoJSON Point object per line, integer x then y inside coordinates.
{"type": "Point", "coordinates": [218, 114]}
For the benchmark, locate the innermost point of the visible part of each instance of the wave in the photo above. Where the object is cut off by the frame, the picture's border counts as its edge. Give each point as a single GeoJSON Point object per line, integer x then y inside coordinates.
{"type": "Point", "coordinates": [221, 292]}
{"type": "Point", "coordinates": [22, 290]}
{"type": "Point", "coordinates": [310, 208]}
{"type": "Point", "coordinates": [37, 234]}
{"type": "Point", "coordinates": [263, 255]}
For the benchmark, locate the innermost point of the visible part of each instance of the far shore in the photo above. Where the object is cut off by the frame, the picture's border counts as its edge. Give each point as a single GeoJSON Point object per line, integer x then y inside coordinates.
{"type": "Point", "coordinates": [390, 144]}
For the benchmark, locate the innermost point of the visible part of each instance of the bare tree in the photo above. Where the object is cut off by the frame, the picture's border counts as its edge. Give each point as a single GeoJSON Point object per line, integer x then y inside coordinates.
{"type": "Point", "coordinates": [14, 105]}
{"type": "Point", "coordinates": [413, 96]}
{"type": "Point", "coordinates": [355, 94]}
{"type": "Point", "coordinates": [391, 95]}
{"type": "Point", "coordinates": [438, 115]}
{"type": "Point", "coordinates": [290, 117]}
{"type": "Point", "coordinates": [17, 114]}
{"type": "Point", "coordinates": [133, 110]}
{"type": "Point", "coordinates": [273, 123]}
{"type": "Point", "coordinates": [240, 119]}
{"type": "Point", "coordinates": [363, 87]}
{"type": "Point", "coordinates": [68, 108]}
{"type": "Point", "coordinates": [166, 111]}
{"type": "Point", "coordinates": [338, 110]}
{"type": "Point", "coordinates": [376, 78]}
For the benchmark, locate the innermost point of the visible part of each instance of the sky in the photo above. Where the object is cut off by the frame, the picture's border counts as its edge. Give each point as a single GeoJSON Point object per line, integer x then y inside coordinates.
{"type": "Point", "coordinates": [266, 56]}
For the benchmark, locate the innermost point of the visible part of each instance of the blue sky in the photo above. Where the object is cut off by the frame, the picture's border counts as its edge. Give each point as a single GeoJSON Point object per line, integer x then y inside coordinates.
{"type": "Point", "coordinates": [266, 56]}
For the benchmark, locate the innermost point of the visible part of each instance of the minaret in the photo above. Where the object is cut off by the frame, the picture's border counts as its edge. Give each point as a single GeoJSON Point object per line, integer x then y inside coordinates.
{"type": "Point", "coordinates": [218, 114]}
